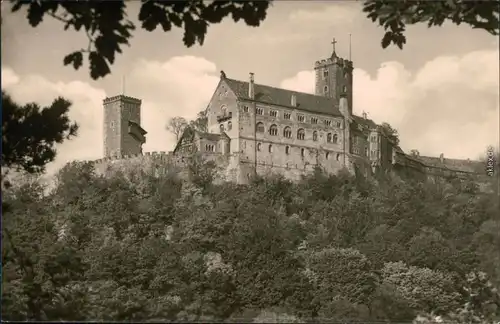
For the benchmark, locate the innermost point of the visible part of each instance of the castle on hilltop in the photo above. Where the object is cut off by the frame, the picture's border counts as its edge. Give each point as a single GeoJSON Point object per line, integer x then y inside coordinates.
{"type": "Point", "coordinates": [258, 129]}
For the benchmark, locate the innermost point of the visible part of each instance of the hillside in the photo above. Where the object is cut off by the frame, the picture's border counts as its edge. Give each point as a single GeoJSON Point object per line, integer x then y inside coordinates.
{"type": "Point", "coordinates": [139, 247]}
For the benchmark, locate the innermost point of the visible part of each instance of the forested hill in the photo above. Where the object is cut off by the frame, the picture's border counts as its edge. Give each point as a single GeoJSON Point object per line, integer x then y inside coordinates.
{"type": "Point", "coordinates": [330, 248]}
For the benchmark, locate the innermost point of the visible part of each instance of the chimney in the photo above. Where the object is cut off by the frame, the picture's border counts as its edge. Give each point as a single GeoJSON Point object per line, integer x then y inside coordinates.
{"type": "Point", "coordinates": [293, 101]}
{"type": "Point", "coordinates": [364, 115]}
{"type": "Point", "coordinates": [251, 87]}
{"type": "Point", "coordinates": [441, 157]}
{"type": "Point", "coordinates": [344, 106]}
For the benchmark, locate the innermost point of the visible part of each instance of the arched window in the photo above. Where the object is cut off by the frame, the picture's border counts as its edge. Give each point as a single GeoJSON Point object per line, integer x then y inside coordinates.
{"type": "Point", "coordinates": [273, 130]}
{"type": "Point", "coordinates": [260, 128]}
{"type": "Point", "coordinates": [301, 134]}
{"type": "Point", "coordinates": [258, 146]}
{"type": "Point", "coordinates": [287, 132]}
{"type": "Point", "coordinates": [344, 88]}
{"type": "Point", "coordinates": [270, 148]}
{"type": "Point", "coordinates": [327, 155]}
{"type": "Point", "coordinates": [329, 138]}
{"type": "Point", "coordinates": [221, 126]}
{"type": "Point", "coordinates": [315, 136]}
{"type": "Point", "coordinates": [335, 139]}
{"type": "Point", "coordinates": [223, 109]}
{"type": "Point", "coordinates": [229, 126]}
{"type": "Point", "coordinates": [325, 89]}
{"type": "Point", "coordinates": [287, 149]}
{"type": "Point", "coordinates": [338, 156]}
{"type": "Point", "coordinates": [302, 152]}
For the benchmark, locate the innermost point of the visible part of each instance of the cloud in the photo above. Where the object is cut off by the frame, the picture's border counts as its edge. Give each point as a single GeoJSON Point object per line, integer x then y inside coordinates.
{"type": "Point", "coordinates": [181, 86]}
{"type": "Point", "coordinates": [337, 14]}
{"type": "Point", "coordinates": [450, 105]}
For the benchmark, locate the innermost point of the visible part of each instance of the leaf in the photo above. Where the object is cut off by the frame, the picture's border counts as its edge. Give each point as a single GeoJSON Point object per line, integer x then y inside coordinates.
{"type": "Point", "coordinates": [386, 40]}
{"type": "Point", "coordinates": [35, 14]}
{"type": "Point", "coordinates": [98, 66]}
{"type": "Point", "coordinates": [106, 47]}
{"type": "Point", "coordinates": [75, 58]}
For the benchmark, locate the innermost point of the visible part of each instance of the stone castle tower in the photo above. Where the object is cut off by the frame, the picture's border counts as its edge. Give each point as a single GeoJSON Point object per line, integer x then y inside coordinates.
{"type": "Point", "coordinates": [334, 78]}
{"type": "Point", "coordinates": [123, 134]}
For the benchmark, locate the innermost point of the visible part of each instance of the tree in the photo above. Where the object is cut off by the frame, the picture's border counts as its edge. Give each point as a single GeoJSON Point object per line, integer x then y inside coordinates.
{"type": "Point", "coordinates": [200, 123]}
{"type": "Point", "coordinates": [390, 132]}
{"type": "Point", "coordinates": [30, 132]}
{"type": "Point", "coordinates": [395, 15]}
{"type": "Point", "coordinates": [108, 29]}
{"type": "Point", "coordinates": [176, 126]}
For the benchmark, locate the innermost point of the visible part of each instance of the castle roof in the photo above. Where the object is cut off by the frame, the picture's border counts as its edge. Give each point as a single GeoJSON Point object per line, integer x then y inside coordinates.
{"type": "Point", "coordinates": [282, 97]}
{"type": "Point", "coordinates": [364, 121]}
{"type": "Point", "coordinates": [452, 164]}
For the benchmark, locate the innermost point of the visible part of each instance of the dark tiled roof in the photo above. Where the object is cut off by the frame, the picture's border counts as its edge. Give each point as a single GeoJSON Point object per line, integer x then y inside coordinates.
{"type": "Point", "coordinates": [452, 164]}
{"type": "Point", "coordinates": [209, 136]}
{"type": "Point", "coordinates": [276, 96]}
{"type": "Point", "coordinates": [365, 122]}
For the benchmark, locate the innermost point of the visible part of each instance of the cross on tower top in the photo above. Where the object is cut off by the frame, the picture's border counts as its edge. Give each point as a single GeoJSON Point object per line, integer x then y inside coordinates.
{"type": "Point", "coordinates": [333, 43]}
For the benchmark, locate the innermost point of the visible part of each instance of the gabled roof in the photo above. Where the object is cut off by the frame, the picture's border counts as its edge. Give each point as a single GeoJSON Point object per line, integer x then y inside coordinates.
{"type": "Point", "coordinates": [364, 121]}
{"type": "Point", "coordinates": [281, 97]}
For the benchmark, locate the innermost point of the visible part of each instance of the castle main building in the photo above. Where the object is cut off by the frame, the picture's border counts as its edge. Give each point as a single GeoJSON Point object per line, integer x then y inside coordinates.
{"type": "Point", "coordinates": [254, 128]}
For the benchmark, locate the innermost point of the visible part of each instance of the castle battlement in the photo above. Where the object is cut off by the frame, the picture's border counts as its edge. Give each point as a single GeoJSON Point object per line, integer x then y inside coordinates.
{"type": "Point", "coordinates": [123, 98]}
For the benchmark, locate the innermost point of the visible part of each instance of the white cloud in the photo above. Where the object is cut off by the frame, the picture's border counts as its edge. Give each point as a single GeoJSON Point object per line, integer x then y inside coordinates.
{"type": "Point", "coordinates": [181, 86]}
{"type": "Point", "coordinates": [329, 14]}
{"type": "Point", "coordinates": [450, 105]}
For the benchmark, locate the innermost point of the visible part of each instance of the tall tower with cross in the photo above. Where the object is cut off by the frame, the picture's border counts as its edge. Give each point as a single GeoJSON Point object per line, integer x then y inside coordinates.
{"type": "Point", "coordinates": [334, 77]}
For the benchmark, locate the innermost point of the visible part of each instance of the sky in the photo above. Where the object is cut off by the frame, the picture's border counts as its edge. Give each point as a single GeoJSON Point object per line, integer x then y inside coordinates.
{"type": "Point", "coordinates": [441, 91]}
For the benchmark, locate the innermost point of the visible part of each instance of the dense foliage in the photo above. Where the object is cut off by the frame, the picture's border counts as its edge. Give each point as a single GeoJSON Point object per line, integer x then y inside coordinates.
{"type": "Point", "coordinates": [140, 246]}
{"type": "Point", "coordinates": [108, 28]}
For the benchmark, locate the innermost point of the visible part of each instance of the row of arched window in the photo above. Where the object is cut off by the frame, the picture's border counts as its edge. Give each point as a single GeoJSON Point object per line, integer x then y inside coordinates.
{"type": "Point", "coordinates": [288, 149]}
{"type": "Point", "coordinates": [301, 134]}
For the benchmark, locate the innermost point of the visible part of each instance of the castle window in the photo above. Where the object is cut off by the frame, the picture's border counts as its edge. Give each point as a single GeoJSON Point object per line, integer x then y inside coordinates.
{"type": "Point", "coordinates": [273, 130]}
{"type": "Point", "coordinates": [327, 155]}
{"type": "Point", "coordinates": [223, 109]}
{"type": "Point", "coordinates": [329, 138]}
{"type": "Point", "coordinates": [325, 89]}
{"type": "Point", "coordinates": [287, 149]}
{"type": "Point", "coordinates": [338, 124]}
{"type": "Point", "coordinates": [260, 128]}
{"type": "Point", "coordinates": [315, 136]}
{"type": "Point", "coordinates": [273, 113]}
{"type": "Point", "coordinates": [112, 125]}
{"type": "Point", "coordinates": [335, 139]}
{"type": "Point", "coordinates": [258, 146]}
{"type": "Point", "coordinates": [344, 88]}
{"type": "Point", "coordinates": [300, 118]}
{"type": "Point", "coordinates": [287, 116]}
{"type": "Point", "coordinates": [338, 156]}
{"type": "Point", "coordinates": [325, 73]}
{"type": "Point", "coordinates": [209, 148]}
{"type": "Point", "coordinates": [314, 120]}
{"type": "Point", "coordinates": [328, 122]}
{"type": "Point", "coordinates": [260, 111]}
{"type": "Point", "coordinates": [302, 152]}
{"type": "Point", "coordinates": [287, 132]}
{"type": "Point", "coordinates": [301, 134]}
{"type": "Point", "coordinates": [346, 75]}
{"type": "Point", "coordinates": [245, 109]}
{"type": "Point", "coordinates": [229, 126]}
{"type": "Point", "coordinates": [270, 148]}
{"type": "Point", "coordinates": [374, 139]}
{"type": "Point", "coordinates": [366, 151]}
{"type": "Point", "coordinates": [221, 126]}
